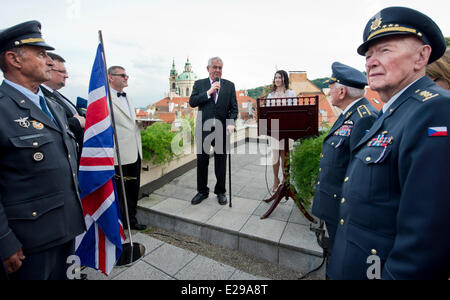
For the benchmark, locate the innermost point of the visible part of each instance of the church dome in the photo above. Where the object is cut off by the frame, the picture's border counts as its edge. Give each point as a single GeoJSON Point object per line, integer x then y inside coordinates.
{"type": "Point", "coordinates": [187, 75]}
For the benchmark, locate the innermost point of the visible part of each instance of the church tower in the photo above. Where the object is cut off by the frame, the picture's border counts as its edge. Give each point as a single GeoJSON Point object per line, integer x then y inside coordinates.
{"type": "Point", "coordinates": [173, 79]}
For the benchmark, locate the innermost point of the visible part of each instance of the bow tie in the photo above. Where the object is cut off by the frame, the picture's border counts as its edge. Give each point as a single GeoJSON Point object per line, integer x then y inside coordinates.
{"type": "Point", "coordinates": [121, 94]}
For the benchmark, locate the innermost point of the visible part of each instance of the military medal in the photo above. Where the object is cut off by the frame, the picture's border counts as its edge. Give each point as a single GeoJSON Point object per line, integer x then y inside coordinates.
{"type": "Point", "coordinates": [38, 156]}
{"type": "Point", "coordinates": [37, 125]}
{"type": "Point", "coordinates": [23, 122]}
{"type": "Point", "coordinates": [381, 141]}
{"type": "Point", "coordinates": [344, 130]}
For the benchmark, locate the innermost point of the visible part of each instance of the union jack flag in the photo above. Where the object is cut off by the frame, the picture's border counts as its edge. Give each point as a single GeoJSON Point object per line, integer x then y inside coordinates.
{"type": "Point", "coordinates": [101, 245]}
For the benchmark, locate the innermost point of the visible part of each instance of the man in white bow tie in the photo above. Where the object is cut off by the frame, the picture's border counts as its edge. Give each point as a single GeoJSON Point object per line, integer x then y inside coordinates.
{"type": "Point", "coordinates": [129, 139]}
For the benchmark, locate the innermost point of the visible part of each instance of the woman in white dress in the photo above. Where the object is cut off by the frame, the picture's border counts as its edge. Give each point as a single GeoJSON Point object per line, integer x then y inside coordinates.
{"type": "Point", "coordinates": [280, 89]}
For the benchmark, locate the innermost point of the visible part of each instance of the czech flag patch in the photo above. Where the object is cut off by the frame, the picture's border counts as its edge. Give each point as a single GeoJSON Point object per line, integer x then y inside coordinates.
{"type": "Point", "coordinates": [437, 131]}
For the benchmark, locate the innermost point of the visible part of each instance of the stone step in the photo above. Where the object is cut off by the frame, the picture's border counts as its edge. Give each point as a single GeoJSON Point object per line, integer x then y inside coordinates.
{"type": "Point", "coordinates": [284, 238]}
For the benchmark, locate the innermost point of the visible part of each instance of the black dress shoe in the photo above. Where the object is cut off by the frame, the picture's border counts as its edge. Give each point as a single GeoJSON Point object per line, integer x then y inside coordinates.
{"type": "Point", "coordinates": [138, 226]}
{"type": "Point", "coordinates": [199, 198]}
{"type": "Point", "coordinates": [222, 199]}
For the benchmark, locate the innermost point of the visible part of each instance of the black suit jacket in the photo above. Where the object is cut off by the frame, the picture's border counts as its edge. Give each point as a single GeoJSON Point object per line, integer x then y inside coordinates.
{"type": "Point", "coordinates": [74, 124]}
{"type": "Point", "coordinates": [39, 200]}
{"type": "Point", "coordinates": [225, 110]}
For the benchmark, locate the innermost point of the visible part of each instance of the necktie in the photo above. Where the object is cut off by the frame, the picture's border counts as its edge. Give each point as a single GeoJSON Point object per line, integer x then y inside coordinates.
{"type": "Point", "coordinates": [121, 94]}
{"type": "Point", "coordinates": [45, 109]}
{"type": "Point", "coordinates": [215, 96]}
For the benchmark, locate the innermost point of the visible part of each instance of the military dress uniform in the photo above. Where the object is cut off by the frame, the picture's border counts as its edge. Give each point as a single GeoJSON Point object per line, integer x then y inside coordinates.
{"type": "Point", "coordinates": [40, 209]}
{"type": "Point", "coordinates": [345, 133]}
{"type": "Point", "coordinates": [397, 196]}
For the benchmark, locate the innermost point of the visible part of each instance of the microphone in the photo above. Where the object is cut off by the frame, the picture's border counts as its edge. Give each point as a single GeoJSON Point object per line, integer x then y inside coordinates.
{"type": "Point", "coordinates": [217, 79]}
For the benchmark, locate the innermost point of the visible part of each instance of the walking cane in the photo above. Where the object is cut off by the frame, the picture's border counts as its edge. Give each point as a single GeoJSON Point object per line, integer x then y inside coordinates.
{"type": "Point", "coordinates": [229, 164]}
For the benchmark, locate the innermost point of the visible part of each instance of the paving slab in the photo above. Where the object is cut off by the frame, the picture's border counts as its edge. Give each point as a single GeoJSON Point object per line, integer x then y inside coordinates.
{"type": "Point", "coordinates": [299, 236]}
{"type": "Point", "coordinates": [228, 220]}
{"type": "Point", "coordinates": [241, 275]}
{"type": "Point", "coordinates": [267, 229]}
{"type": "Point", "coordinates": [151, 200]}
{"type": "Point", "coordinates": [142, 271]}
{"type": "Point", "coordinates": [200, 213]}
{"type": "Point", "coordinates": [169, 258]}
{"type": "Point", "coordinates": [281, 212]}
{"type": "Point", "coordinates": [203, 268]}
{"type": "Point", "coordinates": [242, 205]}
{"type": "Point", "coordinates": [297, 216]}
{"type": "Point", "coordinates": [175, 191]}
{"type": "Point", "coordinates": [149, 243]}
{"type": "Point", "coordinates": [171, 206]}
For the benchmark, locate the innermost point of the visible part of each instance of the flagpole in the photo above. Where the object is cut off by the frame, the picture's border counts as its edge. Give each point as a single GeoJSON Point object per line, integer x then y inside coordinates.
{"type": "Point", "coordinates": [117, 144]}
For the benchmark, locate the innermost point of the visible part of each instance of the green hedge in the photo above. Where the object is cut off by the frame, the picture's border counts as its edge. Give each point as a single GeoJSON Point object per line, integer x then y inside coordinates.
{"type": "Point", "coordinates": [158, 140]}
{"type": "Point", "coordinates": [156, 143]}
{"type": "Point", "coordinates": [305, 159]}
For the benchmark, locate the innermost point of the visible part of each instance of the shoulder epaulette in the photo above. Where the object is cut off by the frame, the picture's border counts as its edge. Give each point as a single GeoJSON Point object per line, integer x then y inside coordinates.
{"type": "Point", "coordinates": [425, 95]}
{"type": "Point", "coordinates": [363, 111]}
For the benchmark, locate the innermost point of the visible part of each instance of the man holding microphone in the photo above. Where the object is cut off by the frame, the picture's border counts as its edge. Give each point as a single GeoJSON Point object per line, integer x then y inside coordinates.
{"type": "Point", "coordinates": [217, 110]}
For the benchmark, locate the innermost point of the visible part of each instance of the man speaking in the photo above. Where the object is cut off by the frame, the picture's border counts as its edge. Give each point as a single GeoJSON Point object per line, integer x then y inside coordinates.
{"type": "Point", "coordinates": [217, 111]}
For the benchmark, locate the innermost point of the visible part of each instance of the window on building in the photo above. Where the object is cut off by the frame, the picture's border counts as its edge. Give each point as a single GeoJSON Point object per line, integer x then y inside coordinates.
{"type": "Point", "coordinates": [324, 115]}
{"type": "Point", "coordinates": [187, 91]}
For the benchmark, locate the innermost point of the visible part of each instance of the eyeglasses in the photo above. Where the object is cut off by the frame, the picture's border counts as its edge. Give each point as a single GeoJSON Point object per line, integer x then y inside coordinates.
{"type": "Point", "coordinates": [121, 75]}
{"type": "Point", "coordinates": [60, 71]}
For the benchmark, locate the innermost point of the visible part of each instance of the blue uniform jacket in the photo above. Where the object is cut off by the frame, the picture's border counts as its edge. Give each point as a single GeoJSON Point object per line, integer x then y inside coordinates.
{"type": "Point", "coordinates": [397, 199]}
{"type": "Point", "coordinates": [345, 133]}
{"type": "Point", "coordinates": [39, 200]}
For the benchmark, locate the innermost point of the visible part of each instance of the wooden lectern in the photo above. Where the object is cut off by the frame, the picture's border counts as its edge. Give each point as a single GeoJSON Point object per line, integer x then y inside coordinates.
{"type": "Point", "coordinates": [288, 118]}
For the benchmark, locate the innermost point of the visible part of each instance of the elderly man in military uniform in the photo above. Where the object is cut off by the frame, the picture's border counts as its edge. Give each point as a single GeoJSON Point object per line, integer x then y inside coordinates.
{"type": "Point", "coordinates": [40, 210]}
{"type": "Point", "coordinates": [347, 90]}
{"type": "Point", "coordinates": [394, 217]}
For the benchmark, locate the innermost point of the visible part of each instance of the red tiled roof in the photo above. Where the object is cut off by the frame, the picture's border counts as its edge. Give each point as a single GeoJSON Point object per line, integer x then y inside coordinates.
{"type": "Point", "coordinates": [177, 100]}
{"type": "Point", "coordinates": [166, 117]}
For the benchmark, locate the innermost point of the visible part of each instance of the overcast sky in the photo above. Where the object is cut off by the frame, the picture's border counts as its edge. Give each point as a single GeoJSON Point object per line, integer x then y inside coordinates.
{"type": "Point", "coordinates": [253, 37]}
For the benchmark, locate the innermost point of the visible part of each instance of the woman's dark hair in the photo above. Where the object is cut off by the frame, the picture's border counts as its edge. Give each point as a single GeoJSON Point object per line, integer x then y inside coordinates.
{"type": "Point", "coordinates": [284, 76]}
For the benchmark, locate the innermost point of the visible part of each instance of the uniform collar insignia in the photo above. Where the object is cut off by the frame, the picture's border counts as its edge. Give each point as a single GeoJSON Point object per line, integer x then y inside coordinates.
{"type": "Point", "coordinates": [348, 114]}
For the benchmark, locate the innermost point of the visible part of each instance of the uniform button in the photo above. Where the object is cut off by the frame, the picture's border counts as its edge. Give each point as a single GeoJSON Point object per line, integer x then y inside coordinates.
{"type": "Point", "coordinates": [69, 155]}
{"type": "Point", "coordinates": [342, 222]}
{"type": "Point", "coordinates": [335, 196]}
{"type": "Point", "coordinates": [332, 144]}
{"type": "Point", "coordinates": [35, 144]}
{"type": "Point", "coordinates": [320, 169]}
{"type": "Point", "coordinates": [368, 158]}
{"type": "Point", "coordinates": [34, 214]}
{"type": "Point", "coordinates": [346, 179]}
{"type": "Point", "coordinates": [73, 174]}
{"type": "Point", "coordinates": [343, 200]}
{"type": "Point", "coordinates": [318, 182]}
{"type": "Point", "coordinates": [374, 252]}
